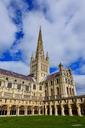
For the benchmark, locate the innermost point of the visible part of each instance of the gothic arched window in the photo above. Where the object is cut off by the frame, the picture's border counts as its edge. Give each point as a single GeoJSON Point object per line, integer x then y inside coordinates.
{"type": "Point", "coordinates": [40, 88]}
{"type": "Point", "coordinates": [9, 85]}
{"type": "Point", "coordinates": [19, 86]}
{"type": "Point", "coordinates": [27, 88]}
{"type": "Point", "coordinates": [34, 87]}
{"type": "Point", "coordinates": [57, 90]}
{"type": "Point", "coordinates": [52, 93]}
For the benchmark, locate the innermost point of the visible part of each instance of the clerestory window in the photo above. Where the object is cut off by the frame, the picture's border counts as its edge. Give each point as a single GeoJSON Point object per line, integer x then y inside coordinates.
{"type": "Point", "coordinates": [9, 85]}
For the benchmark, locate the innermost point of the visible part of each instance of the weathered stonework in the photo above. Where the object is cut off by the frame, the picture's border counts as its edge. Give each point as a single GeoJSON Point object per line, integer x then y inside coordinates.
{"type": "Point", "coordinates": [40, 93]}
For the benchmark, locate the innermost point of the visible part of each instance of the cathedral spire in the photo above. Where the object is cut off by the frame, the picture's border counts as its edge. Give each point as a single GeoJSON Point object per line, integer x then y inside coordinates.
{"type": "Point", "coordinates": [39, 65]}
{"type": "Point", "coordinates": [39, 49]}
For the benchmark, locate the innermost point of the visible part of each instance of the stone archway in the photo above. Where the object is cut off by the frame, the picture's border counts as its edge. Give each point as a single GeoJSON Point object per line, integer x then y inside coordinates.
{"type": "Point", "coordinates": [13, 110]}
{"type": "Point", "coordinates": [66, 109]}
{"type": "Point", "coordinates": [82, 109]}
{"type": "Point", "coordinates": [36, 110]}
{"type": "Point", "coordinates": [59, 109]}
{"type": "Point", "coordinates": [21, 110]}
{"type": "Point", "coordinates": [53, 110]}
{"type": "Point", "coordinates": [4, 110]}
{"type": "Point", "coordinates": [29, 110]}
{"type": "Point", "coordinates": [74, 109]}
{"type": "Point", "coordinates": [48, 110]}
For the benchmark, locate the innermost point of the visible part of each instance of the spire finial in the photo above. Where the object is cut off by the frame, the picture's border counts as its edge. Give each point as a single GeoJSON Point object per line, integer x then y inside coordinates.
{"type": "Point", "coordinates": [60, 66]}
{"type": "Point", "coordinates": [40, 34]}
{"type": "Point", "coordinates": [47, 57]}
{"type": "Point", "coordinates": [32, 57]}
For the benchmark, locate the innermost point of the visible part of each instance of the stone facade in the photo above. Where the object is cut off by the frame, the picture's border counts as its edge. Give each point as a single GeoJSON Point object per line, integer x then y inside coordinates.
{"type": "Point", "coordinates": [40, 93]}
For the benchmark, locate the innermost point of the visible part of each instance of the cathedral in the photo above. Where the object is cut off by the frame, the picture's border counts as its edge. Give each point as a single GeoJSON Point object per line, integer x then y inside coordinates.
{"type": "Point", "coordinates": [40, 93]}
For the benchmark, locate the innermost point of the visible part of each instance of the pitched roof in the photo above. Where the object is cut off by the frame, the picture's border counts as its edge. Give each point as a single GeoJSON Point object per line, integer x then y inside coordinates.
{"type": "Point", "coordinates": [17, 75]}
{"type": "Point", "coordinates": [51, 76]}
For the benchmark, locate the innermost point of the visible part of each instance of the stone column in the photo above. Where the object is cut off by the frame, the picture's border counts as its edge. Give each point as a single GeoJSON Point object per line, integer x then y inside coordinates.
{"type": "Point", "coordinates": [3, 88]}
{"type": "Point", "coordinates": [32, 110]}
{"type": "Point", "coordinates": [50, 109]}
{"type": "Point", "coordinates": [49, 92]}
{"type": "Point", "coordinates": [56, 111]}
{"type": "Point", "coordinates": [8, 110]}
{"type": "Point", "coordinates": [62, 110]}
{"type": "Point", "coordinates": [42, 110]}
{"type": "Point", "coordinates": [79, 110]}
{"type": "Point", "coordinates": [45, 109]}
{"type": "Point", "coordinates": [55, 91]}
{"type": "Point", "coordinates": [70, 110]}
{"type": "Point", "coordinates": [17, 111]}
{"type": "Point", "coordinates": [25, 111]}
{"type": "Point", "coordinates": [39, 111]}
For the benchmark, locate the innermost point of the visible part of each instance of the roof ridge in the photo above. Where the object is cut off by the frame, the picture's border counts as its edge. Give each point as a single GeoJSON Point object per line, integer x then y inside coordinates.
{"type": "Point", "coordinates": [14, 74]}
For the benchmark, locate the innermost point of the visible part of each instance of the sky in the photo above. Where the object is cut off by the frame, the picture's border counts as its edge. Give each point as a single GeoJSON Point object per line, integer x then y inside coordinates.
{"type": "Point", "coordinates": [63, 31]}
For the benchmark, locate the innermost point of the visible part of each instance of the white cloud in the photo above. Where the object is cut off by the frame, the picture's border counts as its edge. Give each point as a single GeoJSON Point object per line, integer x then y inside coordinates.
{"type": "Point", "coordinates": [80, 84]}
{"type": "Point", "coordinates": [7, 29]}
{"type": "Point", "coordinates": [82, 69]}
{"type": "Point", "coordinates": [12, 5]}
{"type": "Point", "coordinates": [62, 27]}
{"type": "Point", "coordinates": [15, 66]}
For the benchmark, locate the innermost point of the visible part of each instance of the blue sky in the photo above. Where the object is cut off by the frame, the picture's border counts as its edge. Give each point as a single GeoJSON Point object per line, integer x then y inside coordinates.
{"type": "Point", "coordinates": [63, 30]}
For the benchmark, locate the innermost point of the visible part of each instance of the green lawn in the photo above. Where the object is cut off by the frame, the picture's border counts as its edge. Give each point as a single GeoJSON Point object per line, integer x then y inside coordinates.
{"type": "Point", "coordinates": [42, 122]}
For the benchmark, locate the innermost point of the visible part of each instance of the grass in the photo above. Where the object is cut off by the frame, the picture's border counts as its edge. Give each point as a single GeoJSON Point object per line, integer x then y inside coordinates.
{"type": "Point", "coordinates": [42, 122]}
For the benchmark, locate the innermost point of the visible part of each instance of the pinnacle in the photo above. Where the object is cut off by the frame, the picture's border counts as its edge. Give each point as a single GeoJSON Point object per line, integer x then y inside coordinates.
{"type": "Point", "coordinates": [40, 42]}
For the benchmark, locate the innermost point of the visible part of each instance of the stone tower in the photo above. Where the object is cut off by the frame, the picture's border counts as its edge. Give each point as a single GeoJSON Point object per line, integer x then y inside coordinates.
{"type": "Point", "coordinates": [67, 84]}
{"type": "Point", "coordinates": [39, 65]}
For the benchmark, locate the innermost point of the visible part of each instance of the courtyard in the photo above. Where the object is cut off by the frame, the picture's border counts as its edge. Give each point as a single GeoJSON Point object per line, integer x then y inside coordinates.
{"type": "Point", "coordinates": [42, 122]}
